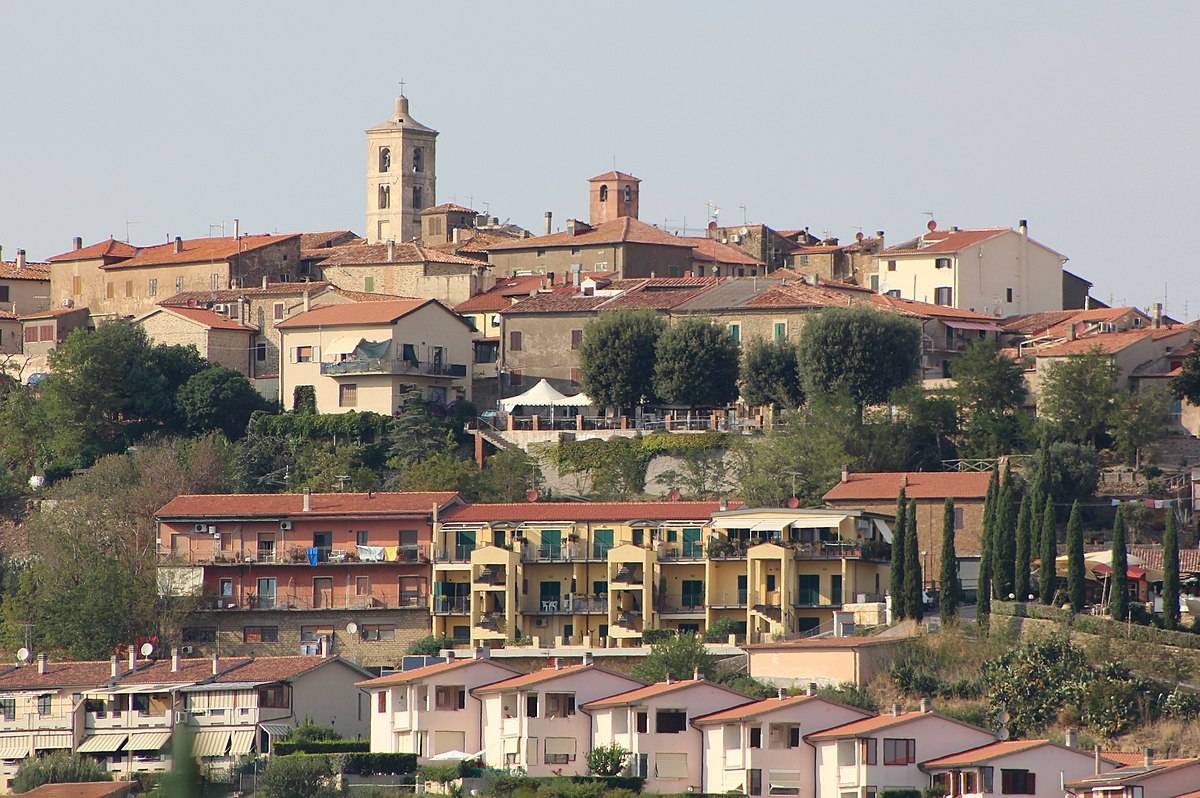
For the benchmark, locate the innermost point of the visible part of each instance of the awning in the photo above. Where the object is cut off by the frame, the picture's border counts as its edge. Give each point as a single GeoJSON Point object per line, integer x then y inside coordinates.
{"type": "Point", "coordinates": [44, 742]}
{"type": "Point", "coordinates": [560, 745]}
{"type": "Point", "coordinates": [148, 741]}
{"type": "Point", "coordinates": [210, 743]}
{"type": "Point", "coordinates": [241, 742]}
{"type": "Point", "coordinates": [771, 525]}
{"type": "Point", "coordinates": [342, 346]}
{"type": "Point", "coordinates": [156, 687]}
{"type": "Point", "coordinates": [15, 747]}
{"type": "Point", "coordinates": [102, 744]}
{"type": "Point", "coordinates": [670, 766]}
{"type": "Point", "coordinates": [276, 730]}
{"type": "Point", "coordinates": [971, 325]}
{"type": "Point", "coordinates": [545, 395]}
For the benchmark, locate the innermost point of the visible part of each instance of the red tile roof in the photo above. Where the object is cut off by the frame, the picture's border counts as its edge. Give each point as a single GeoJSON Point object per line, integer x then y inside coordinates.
{"type": "Point", "coordinates": [801, 295]}
{"type": "Point", "coordinates": [326, 239]}
{"type": "Point", "coordinates": [614, 175]}
{"type": "Point", "coordinates": [1106, 343]}
{"type": "Point", "coordinates": [83, 789]}
{"type": "Point", "coordinates": [1058, 322]}
{"type": "Point", "coordinates": [1151, 556]}
{"type": "Point", "coordinates": [234, 294]}
{"type": "Point", "coordinates": [878, 486]}
{"type": "Point", "coordinates": [502, 294]}
{"type": "Point", "coordinates": [712, 250]}
{"type": "Point", "coordinates": [80, 673]}
{"type": "Point", "coordinates": [818, 643]}
{"type": "Point", "coordinates": [912, 307]}
{"type": "Point", "coordinates": [945, 241]}
{"type": "Point", "coordinates": [208, 318]}
{"type": "Point", "coordinates": [52, 313]}
{"type": "Point", "coordinates": [192, 669]}
{"type": "Point", "coordinates": [755, 708]}
{"type": "Point", "coordinates": [639, 694]}
{"type": "Point", "coordinates": [536, 677]}
{"type": "Point", "coordinates": [275, 505]}
{"type": "Point", "coordinates": [373, 254]}
{"type": "Point", "coordinates": [625, 230]}
{"type": "Point", "coordinates": [199, 250]}
{"type": "Point", "coordinates": [109, 248]}
{"type": "Point", "coordinates": [985, 753]}
{"type": "Point", "coordinates": [653, 292]}
{"type": "Point", "coordinates": [1136, 773]}
{"type": "Point", "coordinates": [276, 669]}
{"type": "Point", "coordinates": [447, 207]}
{"type": "Point", "coordinates": [582, 511]}
{"type": "Point", "coordinates": [32, 270]}
{"type": "Point", "coordinates": [416, 674]}
{"type": "Point", "coordinates": [876, 723]}
{"type": "Point", "coordinates": [385, 312]}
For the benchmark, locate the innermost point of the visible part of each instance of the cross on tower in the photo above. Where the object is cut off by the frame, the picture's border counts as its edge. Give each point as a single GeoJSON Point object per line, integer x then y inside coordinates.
{"type": "Point", "coordinates": [402, 86]}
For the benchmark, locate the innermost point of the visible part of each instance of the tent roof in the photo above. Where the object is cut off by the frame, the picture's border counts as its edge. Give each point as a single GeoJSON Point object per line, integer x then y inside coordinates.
{"type": "Point", "coordinates": [545, 395]}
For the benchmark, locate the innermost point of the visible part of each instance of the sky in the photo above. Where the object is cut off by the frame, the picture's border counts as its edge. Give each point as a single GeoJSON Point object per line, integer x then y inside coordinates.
{"type": "Point", "coordinates": [153, 119]}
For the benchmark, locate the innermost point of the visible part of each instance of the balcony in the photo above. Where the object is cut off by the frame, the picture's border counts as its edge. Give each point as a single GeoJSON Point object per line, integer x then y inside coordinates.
{"type": "Point", "coordinates": [690, 552]}
{"type": "Point", "coordinates": [394, 365]}
{"type": "Point", "coordinates": [298, 555]}
{"type": "Point", "coordinates": [127, 719]}
{"type": "Point", "coordinates": [492, 576]}
{"type": "Point", "coordinates": [300, 601]}
{"type": "Point", "coordinates": [494, 622]}
{"type": "Point", "coordinates": [628, 575]}
{"type": "Point", "coordinates": [687, 606]}
{"type": "Point", "coordinates": [571, 551]}
{"type": "Point", "coordinates": [814, 602]}
{"type": "Point", "coordinates": [843, 550]}
{"type": "Point", "coordinates": [570, 604]}
{"type": "Point", "coordinates": [460, 553]}
{"type": "Point", "coordinates": [735, 599]}
{"type": "Point", "coordinates": [451, 605]}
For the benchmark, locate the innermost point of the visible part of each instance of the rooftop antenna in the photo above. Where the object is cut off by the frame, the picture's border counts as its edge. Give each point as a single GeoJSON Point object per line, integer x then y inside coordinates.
{"type": "Point", "coordinates": [745, 220]}
{"type": "Point", "coordinates": [129, 223]}
{"type": "Point", "coordinates": [341, 480]}
{"type": "Point", "coordinates": [930, 214]}
{"type": "Point", "coordinates": [220, 226]}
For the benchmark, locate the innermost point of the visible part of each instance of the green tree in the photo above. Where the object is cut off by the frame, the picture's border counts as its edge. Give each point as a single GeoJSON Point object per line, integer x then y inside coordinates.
{"type": "Point", "coordinates": [678, 656]}
{"type": "Point", "coordinates": [607, 760]}
{"type": "Point", "coordinates": [703, 473]}
{"type": "Point", "coordinates": [429, 645]}
{"type": "Point", "coordinates": [617, 357]}
{"type": "Point", "coordinates": [1079, 395]}
{"type": "Point", "coordinates": [440, 471]}
{"type": "Point", "coordinates": [304, 400]}
{"type": "Point", "coordinates": [1004, 538]}
{"type": "Point", "coordinates": [1034, 681]}
{"type": "Point", "coordinates": [177, 364]}
{"type": "Point", "coordinates": [415, 433]}
{"type": "Point", "coordinates": [769, 375]}
{"type": "Point", "coordinates": [219, 398]}
{"type": "Point", "coordinates": [298, 776]}
{"type": "Point", "coordinates": [896, 573]}
{"type": "Point", "coordinates": [1139, 418]}
{"type": "Point", "coordinates": [950, 594]}
{"type": "Point", "coordinates": [1075, 574]}
{"type": "Point", "coordinates": [720, 629]}
{"type": "Point", "coordinates": [183, 780]}
{"type": "Point", "coordinates": [696, 364]}
{"type": "Point", "coordinates": [805, 450]}
{"type": "Point", "coordinates": [1119, 560]}
{"type": "Point", "coordinates": [1186, 385]}
{"type": "Point", "coordinates": [914, 581]}
{"type": "Point", "coordinates": [1048, 556]}
{"type": "Point", "coordinates": [990, 389]}
{"type": "Point", "coordinates": [1067, 471]}
{"type": "Point", "coordinates": [1170, 592]}
{"type": "Point", "coordinates": [983, 595]}
{"type": "Point", "coordinates": [24, 446]}
{"type": "Point", "coordinates": [58, 767]}
{"type": "Point", "coordinates": [860, 352]}
{"type": "Point", "coordinates": [1025, 523]}
{"type": "Point", "coordinates": [507, 475]}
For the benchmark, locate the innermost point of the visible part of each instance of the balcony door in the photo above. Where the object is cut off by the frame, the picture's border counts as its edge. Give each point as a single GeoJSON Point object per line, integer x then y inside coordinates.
{"type": "Point", "coordinates": [464, 544]}
{"type": "Point", "coordinates": [550, 594]}
{"type": "Point", "coordinates": [602, 541]}
{"type": "Point", "coordinates": [693, 593]}
{"type": "Point", "coordinates": [809, 589]}
{"type": "Point", "coordinates": [323, 543]}
{"type": "Point", "coordinates": [692, 548]}
{"type": "Point", "coordinates": [322, 598]}
{"type": "Point", "coordinates": [266, 593]}
{"type": "Point", "coordinates": [551, 544]}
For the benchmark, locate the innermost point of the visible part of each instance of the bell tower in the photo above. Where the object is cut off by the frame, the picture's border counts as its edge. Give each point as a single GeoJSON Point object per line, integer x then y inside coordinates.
{"type": "Point", "coordinates": [401, 176]}
{"type": "Point", "coordinates": [612, 195]}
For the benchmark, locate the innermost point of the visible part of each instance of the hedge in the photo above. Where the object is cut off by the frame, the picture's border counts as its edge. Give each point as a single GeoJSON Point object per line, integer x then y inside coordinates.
{"type": "Point", "coordinates": [285, 747]}
{"type": "Point", "coordinates": [634, 783]}
{"type": "Point", "coordinates": [504, 785]}
{"type": "Point", "coordinates": [1104, 627]}
{"type": "Point", "coordinates": [369, 764]}
{"type": "Point", "coordinates": [652, 636]}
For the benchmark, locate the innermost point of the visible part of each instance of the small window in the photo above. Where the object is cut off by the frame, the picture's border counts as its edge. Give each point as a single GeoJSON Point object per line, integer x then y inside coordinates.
{"type": "Point", "coordinates": [381, 702]}
{"type": "Point", "coordinates": [260, 351]}
{"type": "Point", "coordinates": [362, 537]}
{"type": "Point", "coordinates": [214, 281]}
{"type": "Point", "coordinates": [514, 340]}
{"type": "Point", "coordinates": [577, 375]}
{"type": "Point", "coordinates": [958, 519]}
{"type": "Point", "coordinates": [129, 289]}
{"type": "Point", "coordinates": [385, 159]}
{"type": "Point", "coordinates": [899, 751]}
{"type": "Point", "coordinates": [1008, 294]}
{"type": "Point", "coordinates": [369, 284]}
{"type": "Point", "coordinates": [516, 378]}
{"type": "Point", "coordinates": [4, 293]}
{"type": "Point", "coordinates": [8, 708]}
{"type": "Point", "coordinates": [894, 293]}
{"type": "Point", "coordinates": [76, 285]}
{"type": "Point", "coordinates": [943, 296]}
{"type": "Point", "coordinates": [604, 193]}
{"type": "Point", "coordinates": [779, 331]}
{"type": "Point", "coordinates": [260, 634]}
{"type": "Point", "coordinates": [642, 721]}
{"type": "Point", "coordinates": [418, 160]}
{"type": "Point", "coordinates": [44, 702]}
{"type": "Point", "coordinates": [378, 632]}
{"type": "Point", "coordinates": [199, 634]}
{"type": "Point", "coordinates": [304, 354]}
{"type": "Point", "coordinates": [869, 750]}
{"type": "Point", "coordinates": [348, 395]}
{"type": "Point", "coordinates": [628, 195]}
{"type": "Point", "coordinates": [385, 197]}
{"type": "Point", "coordinates": [891, 265]}
{"type": "Point", "coordinates": [735, 332]}
{"type": "Point", "coordinates": [178, 284]}
{"type": "Point", "coordinates": [416, 197]}
{"type": "Point", "coordinates": [576, 339]}
{"type": "Point", "coordinates": [152, 287]}
{"type": "Point", "coordinates": [277, 311]}
{"type": "Point", "coordinates": [109, 290]}
{"type": "Point", "coordinates": [531, 705]}
{"type": "Point", "coordinates": [670, 721]}
{"type": "Point", "coordinates": [362, 585]}
{"type": "Point", "coordinates": [941, 263]}
{"type": "Point", "coordinates": [756, 736]}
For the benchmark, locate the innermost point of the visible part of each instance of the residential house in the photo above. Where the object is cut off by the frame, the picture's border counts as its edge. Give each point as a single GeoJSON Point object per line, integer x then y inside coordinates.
{"type": "Point", "coordinates": [116, 280]}
{"type": "Point", "coordinates": [829, 260]}
{"type": "Point", "coordinates": [24, 288]}
{"type": "Point", "coordinates": [996, 271]}
{"type": "Point", "coordinates": [370, 355]}
{"type": "Point", "coordinates": [827, 661]}
{"type": "Point", "coordinates": [43, 330]}
{"type": "Point", "coordinates": [286, 573]}
{"type": "Point", "coordinates": [482, 312]}
{"type": "Point", "coordinates": [867, 757]}
{"type": "Point", "coordinates": [217, 338]}
{"type": "Point", "coordinates": [877, 492]}
{"type": "Point", "coordinates": [762, 243]}
{"type": "Point", "coordinates": [1076, 291]}
{"type": "Point", "coordinates": [716, 259]}
{"type": "Point", "coordinates": [1013, 767]}
{"type": "Point", "coordinates": [1127, 351]}
{"type": "Point", "coordinates": [654, 724]}
{"type": "Point", "coordinates": [758, 748]}
{"type": "Point", "coordinates": [314, 246]}
{"type": "Point", "coordinates": [1153, 778]}
{"type": "Point", "coordinates": [432, 710]}
{"type": "Point", "coordinates": [1033, 330]}
{"type": "Point", "coordinates": [403, 269]}
{"type": "Point", "coordinates": [10, 333]}
{"type": "Point", "coordinates": [533, 721]}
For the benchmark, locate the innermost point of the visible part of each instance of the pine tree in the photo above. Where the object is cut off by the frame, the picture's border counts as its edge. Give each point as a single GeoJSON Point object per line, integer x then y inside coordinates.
{"type": "Point", "coordinates": [896, 584]}
{"type": "Point", "coordinates": [950, 589]}
{"type": "Point", "coordinates": [1047, 569]}
{"type": "Point", "coordinates": [1170, 592]}
{"type": "Point", "coordinates": [1118, 600]}
{"type": "Point", "coordinates": [914, 583]}
{"type": "Point", "coordinates": [1075, 584]}
{"type": "Point", "coordinates": [1021, 567]}
{"type": "Point", "coordinates": [983, 597]}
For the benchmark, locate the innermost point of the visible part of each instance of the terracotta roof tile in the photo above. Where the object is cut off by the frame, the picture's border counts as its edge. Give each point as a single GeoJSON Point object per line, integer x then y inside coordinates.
{"type": "Point", "coordinates": [447, 207]}
{"type": "Point", "coordinates": [199, 250]}
{"type": "Point", "coordinates": [1136, 773]}
{"type": "Point", "coordinates": [275, 505]}
{"type": "Point", "coordinates": [108, 248]}
{"type": "Point", "coordinates": [944, 241]}
{"type": "Point", "coordinates": [613, 174]}
{"type": "Point", "coordinates": [819, 643]}
{"type": "Point", "coordinates": [535, 677]}
{"type": "Point", "coordinates": [327, 239]}
{"type": "Point", "coordinates": [878, 486]}
{"type": "Point", "coordinates": [416, 674]}
{"type": "Point", "coordinates": [1107, 343]}
{"type": "Point", "coordinates": [1151, 556]}
{"type": "Point", "coordinates": [374, 254]}
{"type": "Point", "coordinates": [625, 230]}
{"type": "Point", "coordinates": [365, 296]}
{"type": "Point", "coordinates": [639, 694]}
{"type": "Point", "coordinates": [912, 307]}
{"type": "Point", "coordinates": [655, 292]}
{"type": "Point", "coordinates": [191, 669]}
{"type": "Point", "coordinates": [582, 511]}
{"type": "Point", "coordinates": [234, 294]}
{"type": "Point", "coordinates": [984, 753]}
{"type": "Point", "coordinates": [384, 312]}
{"type": "Point", "coordinates": [502, 294]}
{"type": "Point", "coordinates": [8, 314]}
{"type": "Point", "coordinates": [875, 723]}
{"type": "Point", "coordinates": [712, 250]}
{"type": "Point", "coordinates": [32, 270]}
{"type": "Point", "coordinates": [756, 708]}
{"type": "Point", "coordinates": [52, 313]}
{"type": "Point", "coordinates": [208, 318]}
{"type": "Point", "coordinates": [272, 669]}
{"type": "Point", "coordinates": [84, 789]}
{"type": "Point", "coordinates": [77, 673]}
{"type": "Point", "coordinates": [800, 295]}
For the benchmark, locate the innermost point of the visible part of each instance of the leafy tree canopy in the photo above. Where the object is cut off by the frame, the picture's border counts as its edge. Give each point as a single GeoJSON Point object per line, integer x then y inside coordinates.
{"type": "Point", "coordinates": [678, 656]}
{"type": "Point", "coordinates": [770, 375]}
{"type": "Point", "coordinates": [219, 398]}
{"type": "Point", "coordinates": [990, 390]}
{"type": "Point", "coordinates": [696, 364]}
{"type": "Point", "coordinates": [860, 352]}
{"type": "Point", "coordinates": [617, 357]}
{"type": "Point", "coordinates": [1079, 394]}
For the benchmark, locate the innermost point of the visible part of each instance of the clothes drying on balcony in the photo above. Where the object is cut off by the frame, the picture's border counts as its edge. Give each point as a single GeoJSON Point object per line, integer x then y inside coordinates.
{"type": "Point", "coordinates": [544, 395]}
{"type": "Point", "coordinates": [313, 554]}
{"type": "Point", "coordinates": [371, 553]}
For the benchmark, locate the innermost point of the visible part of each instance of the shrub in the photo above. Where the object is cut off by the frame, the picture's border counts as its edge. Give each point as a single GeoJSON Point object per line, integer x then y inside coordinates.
{"type": "Point", "coordinates": [1182, 704]}
{"type": "Point", "coordinates": [429, 646]}
{"type": "Point", "coordinates": [652, 636]}
{"type": "Point", "coordinates": [378, 764]}
{"type": "Point", "coordinates": [285, 747]}
{"type": "Point", "coordinates": [1033, 682]}
{"type": "Point", "coordinates": [298, 776]}
{"type": "Point", "coordinates": [607, 760]}
{"type": "Point", "coordinates": [307, 731]}
{"type": "Point", "coordinates": [59, 767]}
{"type": "Point", "coordinates": [720, 630]}
{"type": "Point", "coordinates": [852, 694]}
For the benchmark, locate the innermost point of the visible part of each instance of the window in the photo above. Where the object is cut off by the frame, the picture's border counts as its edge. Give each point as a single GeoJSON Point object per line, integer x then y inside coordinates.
{"type": "Point", "coordinates": [385, 159]}
{"type": "Point", "coordinates": [362, 585]}
{"type": "Point", "coordinates": [783, 782]}
{"type": "Point", "coordinates": [140, 703]}
{"type": "Point", "coordinates": [76, 285]}
{"type": "Point", "coordinates": [43, 704]}
{"type": "Point", "coordinates": [670, 721]}
{"type": "Point", "coordinates": [348, 395]}
{"type": "Point", "coordinates": [576, 339]}
{"type": "Point", "coordinates": [178, 284]}
{"type": "Point", "coordinates": [376, 633]}
{"type": "Point", "coordinates": [958, 520]}
{"type": "Point", "coordinates": [274, 696]}
{"type": "Point", "coordinates": [199, 634]}
{"type": "Point", "coordinates": [225, 586]}
{"type": "Point", "coordinates": [756, 736]}
{"type": "Point", "coordinates": [418, 160]}
{"type": "Point", "coordinates": [129, 289]}
{"type": "Point", "coordinates": [531, 705]}
{"type": "Point", "coordinates": [260, 634]}
{"type": "Point", "coordinates": [449, 698]}
{"type": "Point", "coordinates": [385, 198]}
{"type": "Point", "coordinates": [109, 290]}
{"type": "Point", "coordinates": [1008, 294]}
{"type": "Point", "coordinates": [899, 751]}
{"type": "Point", "coordinates": [1017, 782]}
{"type": "Point", "coordinates": [970, 781]}
{"type": "Point", "coordinates": [642, 722]}
{"type": "Point", "coordinates": [260, 351]}
{"type": "Point", "coordinates": [416, 197]}
{"type": "Point", "coordinates": [894, 293]}
{"type": "Point", "coordinates": [8, 708]}
{"type": "Point", "coordinates": [869, 749]}
{"type": "Point", "coordinates": [362, 537]}
{"type": "Point", "coordinates": [891, 265]}
{"type": "Point", "coordinates": [214, 281]}
{"type": "Point", "coordinates": [754, 779]}
{"type": "Point", "coordinates": [304, 354]}
{"type": "Point", "coordinates": [779, 330]}
{"type": "Point", "coordinates": [560, 705]}
{"type": "Point", "coordinates": [514, 340]}
{"type": "Point", "coordinates": [943, 296]}
{"type": "Point", "coordinates": [604, 193]}
{"type": "Point", "coordinates": [369, 284]}
{"type": "Point", "coordinates": [516, 378]}
{"type": "Point", "coordinates": [577, 375]}
{"type": "Point", "coordinates": [735, 332]}
{"type": "Point", "coordinates": [4, 293]}
{"type": "Point", "coordinates": [310, 634]}
{"type": "Point", "coordinates": [628, 194]}
{"type": "Point", "coordinates": [941, 263]}
{"type": "Point", "coordinates": [277, 311]}
{"type": "Point", "coordinates": [381, 702]}
{"type": "Point", "coordinates": [152, 287]}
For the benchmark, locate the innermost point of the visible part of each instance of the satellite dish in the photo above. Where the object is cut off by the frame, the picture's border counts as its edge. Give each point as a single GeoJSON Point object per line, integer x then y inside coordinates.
{"type": "Point", "coordinates": [793, 502]}
{"type": "Point", "coordinates": [147, 649]}
{"type": "Point", "coordinates": [932, 225]}
{"type": "Point", "coordinates": [531, 495]}
{"type": "Point", "coordinates": [22, 654]}
{"type": "Point", "coordinates": [352, 628]}
{"type": "Point", "coordinates": [745, 231]}
{"type": "Point", "coordinates": [1003, 733]}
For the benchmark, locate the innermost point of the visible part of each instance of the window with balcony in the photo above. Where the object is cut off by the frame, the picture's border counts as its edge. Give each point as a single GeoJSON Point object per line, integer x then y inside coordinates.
{"type": "Point", "coordinates": [274, 696]}
{"type": "Point", "coordinates": [670, 721]}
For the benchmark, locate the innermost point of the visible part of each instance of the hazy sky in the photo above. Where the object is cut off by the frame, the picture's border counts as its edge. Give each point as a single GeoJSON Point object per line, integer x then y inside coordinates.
{"type": "Point", "coordinates": [1082, 117]}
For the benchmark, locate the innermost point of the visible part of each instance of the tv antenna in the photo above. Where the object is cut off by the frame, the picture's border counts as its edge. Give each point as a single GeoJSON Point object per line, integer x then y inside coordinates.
{"type": "Point", "coordinates": [129, 223]}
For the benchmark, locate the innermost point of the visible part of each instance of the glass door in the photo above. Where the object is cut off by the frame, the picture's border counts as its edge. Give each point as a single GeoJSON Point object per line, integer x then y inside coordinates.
{"type": "Point", "coordinates": [266, 593]}
{"type": "Point", "coordinates": [602, 541]}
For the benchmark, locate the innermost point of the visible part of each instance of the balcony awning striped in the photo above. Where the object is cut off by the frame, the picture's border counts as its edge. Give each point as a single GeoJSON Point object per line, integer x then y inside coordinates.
{"type": "Point", "coordinates": [148, 741]}
{"type": "Point", "coordinates": [102, 744]}
{"type": "Point", "coordinates": [210, 743]}
{"type": "Point", "coordinates": [43, 742]}
{"type": "Point", "coordinates": [276, 730]}
{"type": "Point", "coordinates": [15, 747]}
{"type": "Point", "coordinates": [241, 742]}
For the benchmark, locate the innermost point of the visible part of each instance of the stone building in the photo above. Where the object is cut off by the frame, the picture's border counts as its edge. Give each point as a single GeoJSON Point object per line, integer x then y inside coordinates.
{"type": "Point", "coordinates": [219, 339]}
{"type": "Point", "coordinates": [401, 176]}
{"type": "Point", "coordinates": [24, 288]}
{"type": "Point", "coordinates": [405, 269]}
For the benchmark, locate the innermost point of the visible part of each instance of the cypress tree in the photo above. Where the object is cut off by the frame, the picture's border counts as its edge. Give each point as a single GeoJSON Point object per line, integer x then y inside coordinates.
{"type": "Point", "coordinates": [1021, 568]}
{"type": "Point", "coordinates": [983, 597]}
{"type": "Point", "coordinates": [1075, 584]}
{"type": "Point", "coordinates": [1047, 570]}
{"type": "Point", "coordinates": [950, 589]}
{"type": "Point", "coordinates": [914, 583]}
{"type": "Point", "coordinates": [1004, 538]}
{"type": "Point", "coordinates": [1118, 599]}
{"type": "Point", "coordinates": [1170, 593]}
{"type": "Point", "coordinates": [896, 582]}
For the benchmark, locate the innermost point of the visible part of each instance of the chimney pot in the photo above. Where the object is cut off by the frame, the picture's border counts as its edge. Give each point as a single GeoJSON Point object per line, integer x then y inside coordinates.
{"type": "Point", "coordinates": [77, 242]}
{"type": "Point", "coordinates": [132, 656]}
{"type": "Point", "coordinates": [549, 223]}
{"type": "Point", "coordinates": [307, 500]}
{"type": "Point", "coordinates": [174, 660]}
{"type": "Point", "coordinates": [587, 658]}
{"type": "Point", "coordinates": [926, 706]}
{"type": "Point", "coordinates": [42, 661]}
{"type": "Point", "coordinates": [215, 664]}
{"type": "Point", "coordinates": [112, 665]}
{"type": "Point", "coordinates": [695, 674]}
{"type": "Point", "coordinates": [812, 688]}
{"type": "Point", "coordinates": [456, 235]}
{"type": "Point", "coordinates": [1071, 332]}
{"type": "Point", "coordinates": [1023, 227]}
{"type": "Point", "coordinates": [904, 480]}
{"type": "Point", "coordinates": [845, 473]}
{"type": "Point", "coordinates": [723, 504]}
{"type": "Point", "coordinates": [485, 652]}
{"type": "Point", "coordinates": [897, 710]}
{"type": "Point", "coordinates": [1148, 757]}
{"type": "Point", "coordinates": [264, 281]}
{"type": "Point", "coordinates": [20, 259]}
{"type": "Point", "coordinates": [1156, 313]}
{"type": "Point", "coordinates": [178, 245]}
{"type": "Point", "coordinates": [391, 251]}
{"type": "Point", "coordinates": [1071, 739]}
{"type": "Point", "coordinates": [669, 679]}
{"type": "Point", "coordinates": [1096, 760]}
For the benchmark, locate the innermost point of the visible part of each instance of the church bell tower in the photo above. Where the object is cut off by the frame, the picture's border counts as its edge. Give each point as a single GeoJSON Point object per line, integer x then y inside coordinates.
{"type": "Point", "coordinates": [401, 176]}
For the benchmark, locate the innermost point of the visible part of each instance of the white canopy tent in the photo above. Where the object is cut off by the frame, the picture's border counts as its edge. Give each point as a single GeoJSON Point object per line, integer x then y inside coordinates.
{"type": "Point", "coordinates": [544, 395]}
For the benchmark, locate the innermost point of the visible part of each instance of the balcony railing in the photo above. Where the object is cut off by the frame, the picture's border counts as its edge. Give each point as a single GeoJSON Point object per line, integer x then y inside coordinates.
{"type": "Point", "coordinates": [394, 365]}
{"type": "Point", "coordinates": [298, 555]}
{"type": "Point", "coordinates": [676, 553]}
{"type": "Point", "coordinates": [451, 605]}
{"type": "Point", "coordinates": [494, 576]}
{"type": "Point", "coordinates": [627, 575]}
{"type": "Point", "coordinates": [728, 599]}
{"type": "Point", "coordinates": [681, 606]}
{"type": "Point", "coordinates": [460, 553]}
{"type": "Point", "coordinates": [570, 604]}
{"type": "Point", "coordinates": [565, 552]}
{"type": "Point", "coordinates": [301, 601]}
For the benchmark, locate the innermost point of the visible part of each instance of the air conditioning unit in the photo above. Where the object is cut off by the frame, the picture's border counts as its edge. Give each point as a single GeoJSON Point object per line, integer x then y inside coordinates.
{"type": "Point", "coordinates": [285, 526]}
{"type": "Point", "coordinates": [182, 716]}
{"type": "Point", "coordinates": [220, 307]}
{"type": "Point", "coordinates": [186, 649]}
{"type": "Point", "coordinates": [736, 238]}
{"type": "Point", "coordinates": [200, 528]}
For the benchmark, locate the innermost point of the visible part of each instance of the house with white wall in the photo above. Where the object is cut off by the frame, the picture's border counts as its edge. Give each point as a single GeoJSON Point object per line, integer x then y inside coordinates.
{"type": "Point", "coordinates": [432, 710]}
{"type": "Point", "coordinates": [1013, 767]}
{"type": "Point", "coordinates": [759, 748]}
{"type": "Point", "coordinates": [654, 724]}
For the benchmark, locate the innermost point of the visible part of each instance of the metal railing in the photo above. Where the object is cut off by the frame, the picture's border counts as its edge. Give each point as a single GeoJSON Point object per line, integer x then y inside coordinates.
{"type": "Point", "coordinates": [727, 599]}
{"type": "Point", "coordinates": [570, 604]}
{"type": "Point", "coordinates": [451, 605]}
{"type": "Point", "coordinates": [303, 601]}
{"type": "Point", "coordinates": [681, 606]}
{"type": "Point", "coordinates": [394, 365]}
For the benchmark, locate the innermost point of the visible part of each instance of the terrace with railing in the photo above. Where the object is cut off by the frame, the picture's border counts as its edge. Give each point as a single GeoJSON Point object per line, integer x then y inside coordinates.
{"type": "Point", "coordinates": [394, 365]}
{"type": "Point", "coordinates": [322, 601]}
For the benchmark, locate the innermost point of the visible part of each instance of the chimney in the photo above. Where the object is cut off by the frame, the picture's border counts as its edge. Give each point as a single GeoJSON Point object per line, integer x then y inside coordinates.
{"type": "Point", "coordinates": [926, 706]}
{"type": "Point", "coordinates": [588, 659]}
{"type": "Point", "coordinates": [781, 694]}
{"type": "Point", "coordinates": [307, 301]}
{"type": "Point", "coordinates": [307, 500]}
{"type": "Point", "coordinates": [485, 652]}
{"type": "Point", "coordinates": [1071, 739]}
{"type": "Point", "coordinates": [43, 659]}
{"type": "Point", "coordinates": [132, 656]}
{"type": "Point", "coordinates": [178, 245]}
{"type": "Point", "coordinates": [695, 674]}
{"type": "Point", "coordinates": [1156, 312]}
{"type": "Point", "coordinates": [174, 660]}
{"type": "Point", "coordinates": [549, 222]}
{"type": "Point", "coordinates": [456, 235]}
{"type": "Point", "coordinates": [77, 242]}
{"type": "Point", "coordinates": [1071, 333]}
{"type": "Point", "coordinates": [723, 505]}
{"type": "Point", "coordinates": [1148, 757]}
{"type": "Point", "coordinates": [216, 666]}
{"type": "Point", "coordinates": [237, 228]}
{"type": "Point", "coordinates": [812, 689]}
{"type": "Point", "coordinates": [1023, 228]}
{"type": "Point", "coordinates": [879, 235]}
{"type": "Point", "coordinates": [557, 663]}
{"type": "Point", "coordinates": [264, 282]}
{"type": "Point", "coordinates": [1096, 760]}
{"type": "Point", "coordinates": [323, 646]}
{"type": "Point", "coordinates": [845, 473]}
{"type": "Point", "coordinates": [897, 710]}
{"type": "Point", "coordinates": [391, 251]}
{"type": "Point", "coordinates": [112, 665]}
{"type": "Point", "coordinates": [20, 259]}
{"type": "Point", "coordinates": [953, 228]}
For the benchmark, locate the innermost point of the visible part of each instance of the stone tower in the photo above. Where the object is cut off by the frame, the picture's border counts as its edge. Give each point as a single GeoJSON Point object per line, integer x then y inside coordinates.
{"type": "Point", "coordinates": [612, 195]}
{"type": "Point", "coordinates": [401, 176]}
